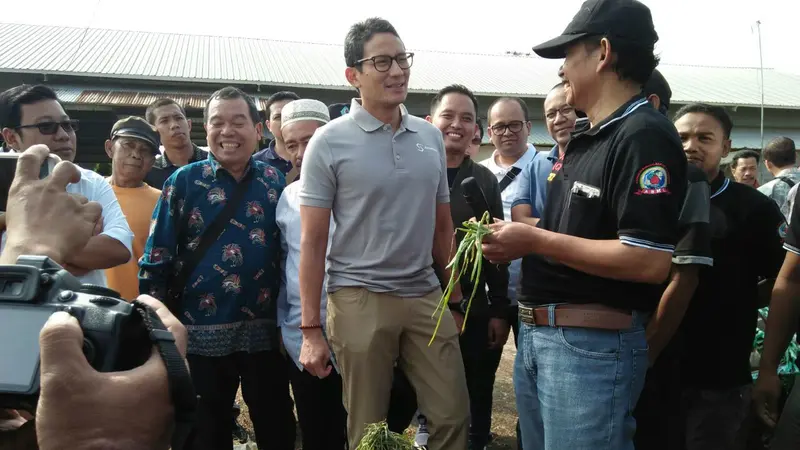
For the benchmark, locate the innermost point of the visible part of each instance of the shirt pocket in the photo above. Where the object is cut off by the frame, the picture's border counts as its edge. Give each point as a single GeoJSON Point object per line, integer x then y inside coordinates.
{"type": "Point", "coordinates": [582, 212]}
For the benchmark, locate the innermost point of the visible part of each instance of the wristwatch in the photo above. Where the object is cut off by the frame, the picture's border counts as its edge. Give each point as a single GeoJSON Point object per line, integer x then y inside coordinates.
{"type": "Point", "coordinates": [459, 306]}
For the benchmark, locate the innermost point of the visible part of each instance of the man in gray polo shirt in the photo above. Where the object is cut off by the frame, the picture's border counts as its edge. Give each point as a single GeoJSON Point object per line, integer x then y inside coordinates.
{"type": "Point", "coordinates": [382, 173]}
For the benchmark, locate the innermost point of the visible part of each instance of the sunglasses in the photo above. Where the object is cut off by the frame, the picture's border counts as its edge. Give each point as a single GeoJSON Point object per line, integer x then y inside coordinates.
{"type": "Point", "coordinates": [48, 128]}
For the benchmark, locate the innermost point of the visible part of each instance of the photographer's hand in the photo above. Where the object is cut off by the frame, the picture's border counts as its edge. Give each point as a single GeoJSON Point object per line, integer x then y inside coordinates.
{"type": "Point", "coordinates": [82, 408]}
{"type": "Point", "coordinates": [41, 217]}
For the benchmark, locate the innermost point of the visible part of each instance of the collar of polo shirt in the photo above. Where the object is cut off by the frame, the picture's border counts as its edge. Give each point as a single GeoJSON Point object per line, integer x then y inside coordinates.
{"type": "Point", "coordinates": [369, 123]}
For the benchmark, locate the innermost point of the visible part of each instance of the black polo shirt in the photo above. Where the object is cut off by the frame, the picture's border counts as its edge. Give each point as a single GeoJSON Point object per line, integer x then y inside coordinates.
{"type": "Point", "coordinates": [163, 167]}
{"type": "Point", "coordinates": [623, 179]}
{"type": "Point", "coordinates": [720, 324]}
{"type": "Point", "coordinates": [694, 245]}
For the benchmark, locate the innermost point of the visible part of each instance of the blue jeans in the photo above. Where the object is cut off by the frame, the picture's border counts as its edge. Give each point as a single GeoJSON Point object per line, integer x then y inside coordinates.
{"type": "Point", "coordinates": [576, 388]}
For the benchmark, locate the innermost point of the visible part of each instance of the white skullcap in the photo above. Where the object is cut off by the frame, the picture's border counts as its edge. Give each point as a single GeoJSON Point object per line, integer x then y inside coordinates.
{"type": "Point", "coordinates": [304, 109]}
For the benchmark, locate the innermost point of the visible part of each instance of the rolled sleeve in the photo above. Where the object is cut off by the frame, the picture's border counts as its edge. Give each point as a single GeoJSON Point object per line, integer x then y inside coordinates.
{"type": "Point", "coordinates": [318, 183]}
{"type": "Point", "coordinates": [647, 189]}
{"type": "Point", "coordinates": [115, 225]}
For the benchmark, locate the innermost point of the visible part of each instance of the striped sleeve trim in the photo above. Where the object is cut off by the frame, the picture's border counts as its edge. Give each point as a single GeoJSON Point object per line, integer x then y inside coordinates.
{"type": "Point", "coordinates": [791, 248]}
{"type": "Point", "coordinates": [696, 260]}
{"type": "Point", "coordinates": [646, 244]}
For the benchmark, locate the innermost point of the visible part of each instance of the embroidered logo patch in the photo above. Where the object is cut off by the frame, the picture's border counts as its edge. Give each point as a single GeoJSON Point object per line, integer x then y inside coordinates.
{"type": "Point", "coordinates": [782, 228]}
{"type": "Point", "coordinates": [652, 179]}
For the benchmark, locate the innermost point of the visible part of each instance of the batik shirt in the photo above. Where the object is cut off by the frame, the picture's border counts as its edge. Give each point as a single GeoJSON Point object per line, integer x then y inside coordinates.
{"type": "Point", "coordinates": [229, 301]}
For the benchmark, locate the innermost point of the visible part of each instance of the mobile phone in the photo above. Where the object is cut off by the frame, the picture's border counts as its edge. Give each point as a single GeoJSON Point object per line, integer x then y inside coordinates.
{"type": "Point", "coordinates": [8, 168]}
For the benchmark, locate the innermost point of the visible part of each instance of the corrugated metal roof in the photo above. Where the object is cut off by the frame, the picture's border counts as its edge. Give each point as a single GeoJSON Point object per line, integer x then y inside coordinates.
{"type": "Point", "coordinates": [162, 56]}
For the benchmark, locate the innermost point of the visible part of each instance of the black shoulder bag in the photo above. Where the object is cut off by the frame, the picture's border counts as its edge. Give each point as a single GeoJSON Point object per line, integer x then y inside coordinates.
{"type": "Point", "coordinates": [787, 180]}
{"type": "Point", "coordinates": [188, 259]}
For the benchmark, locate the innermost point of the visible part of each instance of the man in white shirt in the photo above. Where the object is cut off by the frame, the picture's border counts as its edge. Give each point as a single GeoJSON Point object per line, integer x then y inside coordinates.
{"type": "Point", "coordinates": [780, 158]}
{"type": "Point", "coordinates": [323, 420]}
{"type": "Point", "coordinates": [31, 115]}
{"type": "Point", "coordinates": [509, 127]}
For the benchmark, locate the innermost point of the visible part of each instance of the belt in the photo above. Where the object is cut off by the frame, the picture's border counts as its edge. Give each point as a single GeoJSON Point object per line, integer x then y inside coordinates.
{"type": "Point", "coordinates": [592, 315]}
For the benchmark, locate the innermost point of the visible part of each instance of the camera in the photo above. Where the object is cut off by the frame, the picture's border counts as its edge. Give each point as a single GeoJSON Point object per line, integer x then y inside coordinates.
{"type": "Point", "coordinates": [116, 337]}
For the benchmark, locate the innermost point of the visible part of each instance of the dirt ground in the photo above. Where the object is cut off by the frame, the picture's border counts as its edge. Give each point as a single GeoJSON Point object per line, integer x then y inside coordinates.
{"type": "Point", "coordinates": [504, 414]}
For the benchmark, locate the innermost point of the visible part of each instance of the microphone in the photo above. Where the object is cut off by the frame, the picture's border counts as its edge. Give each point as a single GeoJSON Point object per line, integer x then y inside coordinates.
{"type": "Point", "coordinates": [475, 198]}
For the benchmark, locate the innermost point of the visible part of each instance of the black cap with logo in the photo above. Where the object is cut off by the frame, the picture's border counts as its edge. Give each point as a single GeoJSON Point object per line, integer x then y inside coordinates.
{"type": "Point", "coordinates": [338, 110]}
{"type": "Point", "coordinates": [627, 20]}
{"type": "Point", "coordinates": [137, 128]}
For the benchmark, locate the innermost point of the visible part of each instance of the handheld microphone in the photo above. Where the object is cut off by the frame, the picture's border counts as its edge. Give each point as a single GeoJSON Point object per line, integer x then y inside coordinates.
{"type": "Point", "coordinates": [475, 198]}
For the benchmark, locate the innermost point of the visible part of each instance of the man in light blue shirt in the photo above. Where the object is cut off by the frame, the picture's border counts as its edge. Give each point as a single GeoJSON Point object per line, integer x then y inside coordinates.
{"type": "Point", "coordinates": [530, 191]}
{"type": "Point", "coordinates": [322, 416]}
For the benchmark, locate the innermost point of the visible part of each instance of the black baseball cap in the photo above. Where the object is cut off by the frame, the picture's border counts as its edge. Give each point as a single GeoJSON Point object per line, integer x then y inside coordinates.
{"type": "Point", "coordinates": [138, 128]}
{"type": "Point", "coordinates": [627, 20]}
{"type": "Point", "coordinates": [338, 109]}
{"type": "Point", "coordinates": [658, 85]}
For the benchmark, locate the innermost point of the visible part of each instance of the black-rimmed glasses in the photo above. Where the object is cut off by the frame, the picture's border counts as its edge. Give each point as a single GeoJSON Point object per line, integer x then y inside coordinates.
{"type": "Point", "coordinates": [383, 63]}
{"type": "Point", "coordinates": [51, 127]}
{"type": "Point", "coordinates": [514, 127]}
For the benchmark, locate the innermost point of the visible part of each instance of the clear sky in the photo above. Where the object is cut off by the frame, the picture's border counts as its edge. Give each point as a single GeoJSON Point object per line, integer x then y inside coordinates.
{"type": "Point", "coordinates": [696, 32]}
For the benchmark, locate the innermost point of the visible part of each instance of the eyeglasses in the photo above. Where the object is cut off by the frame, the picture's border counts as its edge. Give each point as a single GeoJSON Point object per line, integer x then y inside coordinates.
{"type": "Point", "coordinates": [48, 128]}
{"type": "Point", "coordinates": [565, 111]}
{"type": "Point", "coordinates": [383, 63]}
{"type": "Point", "coordinates": [514, 127]}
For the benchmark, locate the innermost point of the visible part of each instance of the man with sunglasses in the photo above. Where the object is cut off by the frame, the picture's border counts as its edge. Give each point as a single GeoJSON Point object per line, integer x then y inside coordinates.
{"type": "Point", "coordinates": [32, 114]}
{"type": "Point", "coordinates": [382, 173]}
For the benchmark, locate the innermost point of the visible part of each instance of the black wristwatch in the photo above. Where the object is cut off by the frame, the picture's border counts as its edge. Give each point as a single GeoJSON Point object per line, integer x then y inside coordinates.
{"type": "Point", "coordinates": [459, 307]}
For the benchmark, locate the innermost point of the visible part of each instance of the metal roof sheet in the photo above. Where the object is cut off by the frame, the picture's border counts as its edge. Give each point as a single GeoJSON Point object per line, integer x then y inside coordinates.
{"type": "Point", "coordinates": [162, 56]}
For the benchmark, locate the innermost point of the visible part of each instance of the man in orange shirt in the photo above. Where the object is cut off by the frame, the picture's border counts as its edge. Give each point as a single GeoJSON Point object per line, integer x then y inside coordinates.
{"type": "Point", "coordinates": [132, 148]}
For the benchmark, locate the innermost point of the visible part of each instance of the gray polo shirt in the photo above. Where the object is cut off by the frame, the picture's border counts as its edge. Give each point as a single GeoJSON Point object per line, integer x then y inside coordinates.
{"type": "Point", "coordinates": [382, 188]}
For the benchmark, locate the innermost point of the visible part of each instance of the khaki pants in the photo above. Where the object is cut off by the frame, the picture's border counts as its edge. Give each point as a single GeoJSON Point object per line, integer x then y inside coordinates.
{"type": "Point", "coordinates": [369, 332]}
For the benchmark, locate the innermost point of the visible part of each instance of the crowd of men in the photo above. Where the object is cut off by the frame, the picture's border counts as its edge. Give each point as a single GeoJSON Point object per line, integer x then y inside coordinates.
{"type": "Point", "coordinates": [631, 279]}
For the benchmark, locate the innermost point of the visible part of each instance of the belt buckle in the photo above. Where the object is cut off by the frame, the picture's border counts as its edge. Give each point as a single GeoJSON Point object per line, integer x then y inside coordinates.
{"type": "Point", "coordinates": [526, 315]}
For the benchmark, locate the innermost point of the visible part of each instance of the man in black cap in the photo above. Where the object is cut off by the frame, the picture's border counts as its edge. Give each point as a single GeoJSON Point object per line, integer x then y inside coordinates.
{"type": "Point", "coordinates": [594, 268]}
{"type": "Point", "coordinates": [133, 148]}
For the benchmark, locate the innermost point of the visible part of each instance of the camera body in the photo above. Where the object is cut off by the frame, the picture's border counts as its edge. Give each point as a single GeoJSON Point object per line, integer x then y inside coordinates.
{"type": "Point", "coordinates": [115, 335]}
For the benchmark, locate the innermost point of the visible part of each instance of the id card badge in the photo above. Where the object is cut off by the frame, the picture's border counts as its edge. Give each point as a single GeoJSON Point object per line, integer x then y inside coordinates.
{"type": "Point", "coordinates": [585, 190]}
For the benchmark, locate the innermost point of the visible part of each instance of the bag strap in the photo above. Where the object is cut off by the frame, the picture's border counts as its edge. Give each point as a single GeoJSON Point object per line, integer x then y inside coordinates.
{"type": "Point", "coordinates": [189, 260]}
{"type": "Point", "coordinates": [181, 389]}
{"type": "Point", "coordinates": [787, 180]}
{"type": "Point", "coordinates": [510, 175]}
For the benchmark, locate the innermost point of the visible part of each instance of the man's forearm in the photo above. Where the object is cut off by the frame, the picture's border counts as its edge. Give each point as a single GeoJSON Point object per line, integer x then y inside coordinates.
{"type": "Point", "coordinates": [444, 249]}
{"type": "Point", "coordinates": [523, 214]}
{"type": "Point", "coordinates": [672, 306]}
{"type": "Point", "coordinates": [783, 313]}
{"type": "Point", "coordinates": [312, 274]}
{"type": "Point", "coordinates": [604, 258]}
{"type": "Point", "coordinates": [101, 252]}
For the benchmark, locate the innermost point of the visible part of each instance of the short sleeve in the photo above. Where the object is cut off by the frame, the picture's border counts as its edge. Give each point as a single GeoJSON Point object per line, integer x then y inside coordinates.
{"type": "Point", "coordinates": [694, 242]}
{"type": "Point", "coordinates": [648, 185]}
{"type": "Point", "coordinates": [318, 180]}
{"type": "Point", "coordinates": [521, 190]}
{"type": "Point", "coordinates": [792, 233]}
{"type": "Point", "coordinates": [443, 192]}
{"type": "Point", "coordinates": [786, 208]}
{"type": "Point", "coordinates": [115, 225]}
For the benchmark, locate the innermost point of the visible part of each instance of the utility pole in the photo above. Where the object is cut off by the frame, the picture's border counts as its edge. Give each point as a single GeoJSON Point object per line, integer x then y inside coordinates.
{"type": "Point", "coordinates": [761, 62]}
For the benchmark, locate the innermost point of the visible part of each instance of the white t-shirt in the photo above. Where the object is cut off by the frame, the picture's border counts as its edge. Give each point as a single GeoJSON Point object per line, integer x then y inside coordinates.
{"type": "Point", "coordinates": [95, 188]}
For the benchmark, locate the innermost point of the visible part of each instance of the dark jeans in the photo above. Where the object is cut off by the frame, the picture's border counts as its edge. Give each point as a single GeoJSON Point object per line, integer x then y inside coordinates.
{"type": "Point", "coordinates": [265, 388]}
{"type": "Point", "coordinates": [322, 417]}
{"type": "Point", "coordinates": [657, 413]}
{"type": "Point", "coordinates": [480, 365]}
{"type": "Point", "coordinates": [787, 432]}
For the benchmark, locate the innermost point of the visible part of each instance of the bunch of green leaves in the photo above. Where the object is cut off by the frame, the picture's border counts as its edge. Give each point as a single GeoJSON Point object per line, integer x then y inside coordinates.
{"type": "Point", "coordinates": [467, 260]}
{"type": "Point", "coordinates": [377, 436]}
{"type": "Point", "coordinates": [789, 364]}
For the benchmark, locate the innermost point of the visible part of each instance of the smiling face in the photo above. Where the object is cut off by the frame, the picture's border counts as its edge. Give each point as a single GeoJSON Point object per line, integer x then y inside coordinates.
{"type": "Point", "coordinates": [455, 118]}
{"type": "Point", "coordinates": [385, 89]}
{"type": "Point", "coordinates": [559, 116]}
{"type": "Point", "coordinates": [232, 135]}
